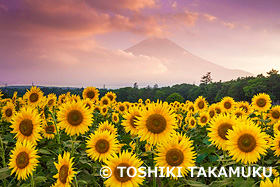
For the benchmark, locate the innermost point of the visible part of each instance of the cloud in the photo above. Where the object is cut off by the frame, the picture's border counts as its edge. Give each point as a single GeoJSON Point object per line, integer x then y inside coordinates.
{"type": "Point", "coordinates": [186, 17]}
{"type": "Point", "coordinates": [75, 18]}
{"type": "Point", "coordinates": [121, 4]}
{"type": "Point", "coordinates": [210, 18]}
{"type": "Point", "coordinates": [230, 25]}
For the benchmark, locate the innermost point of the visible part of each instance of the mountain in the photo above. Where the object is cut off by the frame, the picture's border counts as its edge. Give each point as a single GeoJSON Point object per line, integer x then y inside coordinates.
{"type": "Point", "coordinates": [181, 64]}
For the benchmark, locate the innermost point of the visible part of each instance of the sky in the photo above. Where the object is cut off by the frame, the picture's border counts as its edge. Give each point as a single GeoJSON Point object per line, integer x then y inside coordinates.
{"type": "Point", "coordinates": [82, 42]}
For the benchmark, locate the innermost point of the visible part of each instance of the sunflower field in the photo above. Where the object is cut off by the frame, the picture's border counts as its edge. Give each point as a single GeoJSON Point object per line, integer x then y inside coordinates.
{"type": "Point", "coordinates": [65, 140]}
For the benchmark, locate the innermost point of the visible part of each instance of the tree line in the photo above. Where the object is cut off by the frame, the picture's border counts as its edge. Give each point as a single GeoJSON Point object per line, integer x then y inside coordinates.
{"type": "Point", "coordinates": [241, 89]}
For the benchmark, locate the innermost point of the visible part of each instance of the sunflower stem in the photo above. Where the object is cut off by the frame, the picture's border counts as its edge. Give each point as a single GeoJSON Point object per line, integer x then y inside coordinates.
{"type": "Point", "coordinates": [3, 159]}
{"type": "Point", "coordinates": [32, 180]}
{"type": "Point", "coordinates": [57, 132]}
{"type": "Point", "coordinates": [73, 145]}
{"type": "Point", "coordinates": [76, 182]}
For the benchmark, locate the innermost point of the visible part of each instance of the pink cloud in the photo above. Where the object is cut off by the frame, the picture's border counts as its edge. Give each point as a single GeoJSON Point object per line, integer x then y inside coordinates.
{"type": "Point", "coordinates": [75, 18]}
{"type": "Point", "coordinates": [122, 4]}
{"type": "Point", "coordinates": [210, 18]}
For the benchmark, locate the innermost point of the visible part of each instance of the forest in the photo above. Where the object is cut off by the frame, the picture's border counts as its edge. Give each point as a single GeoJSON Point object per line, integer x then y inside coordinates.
{"type": "Point", "coordinates": [242, 89]}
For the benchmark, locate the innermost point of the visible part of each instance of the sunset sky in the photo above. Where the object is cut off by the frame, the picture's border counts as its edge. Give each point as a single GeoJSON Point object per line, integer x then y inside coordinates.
{"type": "Point", "coordinates": [81, 42]}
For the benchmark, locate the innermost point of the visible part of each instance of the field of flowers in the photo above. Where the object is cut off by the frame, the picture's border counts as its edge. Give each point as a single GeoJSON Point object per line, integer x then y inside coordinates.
{"type": "Point", "coordinates": [49, 140]}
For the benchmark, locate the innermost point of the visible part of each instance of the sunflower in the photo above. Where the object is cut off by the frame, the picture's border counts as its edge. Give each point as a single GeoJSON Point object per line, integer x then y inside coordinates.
{"type": "Point", "coordinates": [125, 159]}
{"type": "Point", "coordinates": [65, 170]}
{"type": "Point", "coordinates": [218, 108]}
{"type": "Point", "coordinates": [190, 107]}
{"type": "Point", "coordinates": [156, 124]}
{"type": "Point", "coordinates": [115, 118]}
{"type": "Point", "coordinates": [104, 101]}
{"type": "Point", "coordinates": [89, 104]}
{"type": "Point", "coordinates": [238, 112]}
{"type": "Point", "coordinates": [14, 98]}
{"type": "Point", "coordinates": [245, 106]}
{"type": "Point", "coordinates": [218, 129]}
{"type": "Point", "coordinates": [106, 126]}
{"type": "Point", "coordinates": [147, 101]}
{"type": "Point", "coordinates": [62, 99]}
{"type": "Point", "coordinates": [276, 127]}
{"type": "Point", "coordinates": [1, 94]}
{"type": "Point", "coordinates": [203, 119]}
{"type": "Point", "coordinates": [276, 144]}
{"type": "Point", "coordinates": [101, 144]}
{"type": "Point", "coordinates": [130, 119]}
{"type": "Point", "coordinates": [246, 142]}
{"type": "Point", "coordinates": [74, 117]}
{"type": "Point", "coordinates": [121, 108]}
{"type": "Point", "coordinates": [33, 96]}
{"type": "Point", "coordinates": [261, 102]}
{"type": "Point", "coordinates": [111, 95]}
{"type": "Point", "coordinates": [228, 104]}
{"type": "Point", "coordinates": [191, 122]}
{"type": "Point", "coordinates": [73, 98]}
{"type": "Point", "coordinates": [179, 118]}
{"type": "Point", "coordinates": [104, 110]}
{"type": "Point", "coordinates": [268, 183]}
{"type": "Point", "coordinates": [274, 114]}
{"type": "Point", "coordinates": [8, 111]}
{"type": "Point", "coordinates": [27, 125]}
{"type": "Point", "coordinates": [127, 104]}
{"type": "Point", "coordinates": [48, 130]}
{"type": "Point", "coordinates": [51, 100]}
{"type": "Point", "coordinates": [176, 154]}
{"type": "Point", "coordinates": [200, 104]}
{"type": "Point", "coordinates": [24, 160]}
{"type": "Point", "coordinates": [212, 111]}
{"type": "Point", "coordinates": [91, 93]}
{"type": "Point", "coordinates": [97, 109]}
{"type": "Point", "coordinates": [132, 146]}
{"type": "Point", "coordinates": [140, 100]}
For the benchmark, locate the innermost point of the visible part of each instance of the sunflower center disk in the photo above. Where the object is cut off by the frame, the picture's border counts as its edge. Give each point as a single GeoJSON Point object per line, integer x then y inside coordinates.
{"type": "Point", "coordinates": [238, 114]}
{"type": "Point", "coordinates": [102, 146]}
{"type": "Point", "coordinates": [247, 143]}
{"type": "Point", "coordinates": [227, 105]}
{"type": "Point", "coordinates": [174, 157]}
{"type": "Point", "coordinates": [244, 108]}
{"type": "Point", "coordinates": [63, 173]}
{"type": "Point", "coordinates": [261, 102]}
{"type": "Point", "coordinates": [105, 102]}
{"type": "Point", "coordinates": [204, 119]}
{"type": "Point", "coordinates": [218, 111]}
{"type": "Point", "coordinates": [125, 177]}
{"type": "Point", "coordinates": [49, 129]}
{"type": "Point", "coordinates": [8, 112]}
{"type": "Point", "coordinates": [223, 129]}
{"type": "Point", "coordinates": [90, 94]}
{"type": "Point", "coordinates": [33, 97]}
{"type": "Point", "coordinates": [110, 97]}
{"type": "Point", "coordinates": [156, 123]}
{"type": "Point", "coordinates": [211, 113]}
{"type": "Point", "coordinates": [132, 121]}
{"type": "Point", "coordinates": [26, 127]}
{"type": "Point", "coordinates": [115, 119]}
{"type": "Point", "coordinates": [75, 117]}
{"type": "Point", "coordinates": [192, 123]}
{"type": "Point", "coordinates": [88, 106]}
{"type": "Point", "coordinates": [200, 104]}
{"type": "Point", "coordinates": [122, 108]}
{"type": "Point", "coordinates": [22, 160]}
{"type": "Point", "coordinates": [276, 114]}
{"type": "Point", "coordinates": [279, 127]}
{"type": "Point", "coordinates": [50, 102]}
